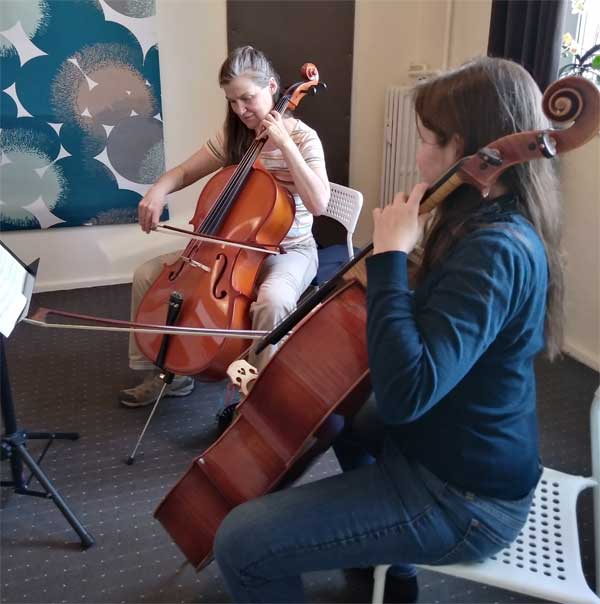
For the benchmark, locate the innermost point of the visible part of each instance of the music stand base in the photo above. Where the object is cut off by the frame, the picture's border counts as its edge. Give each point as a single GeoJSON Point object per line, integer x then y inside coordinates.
{"type": "Point", "coordinates": [14, 445]}
{"type": "Point", "coordinates": [53, 435]}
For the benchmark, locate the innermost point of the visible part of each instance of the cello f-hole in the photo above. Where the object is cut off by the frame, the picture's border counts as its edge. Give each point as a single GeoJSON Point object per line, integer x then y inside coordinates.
{"type": "Point", "coordinates": [218, 269]}
{"type": "Point", "coordinates": [175, 272]}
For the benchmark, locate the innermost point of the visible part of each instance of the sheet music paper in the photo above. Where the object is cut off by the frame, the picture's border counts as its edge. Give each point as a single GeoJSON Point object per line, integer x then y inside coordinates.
{"type": "Point", "coordinates": [12, 299]}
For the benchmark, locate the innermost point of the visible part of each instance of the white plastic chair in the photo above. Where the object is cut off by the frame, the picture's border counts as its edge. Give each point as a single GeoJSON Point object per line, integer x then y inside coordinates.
{"type": "Point", "coordinates": [545, 560]}
{"type": "Point", "coordinates": [344, 206]}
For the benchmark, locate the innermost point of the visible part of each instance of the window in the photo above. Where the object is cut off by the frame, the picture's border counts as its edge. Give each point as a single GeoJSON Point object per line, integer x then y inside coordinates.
{"type": "Point", "coordinates": [582, 35]}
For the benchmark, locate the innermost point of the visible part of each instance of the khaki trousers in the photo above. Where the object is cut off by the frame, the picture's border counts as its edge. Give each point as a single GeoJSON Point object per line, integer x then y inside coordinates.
{"type": "Point", "coordinates": [281, 282]}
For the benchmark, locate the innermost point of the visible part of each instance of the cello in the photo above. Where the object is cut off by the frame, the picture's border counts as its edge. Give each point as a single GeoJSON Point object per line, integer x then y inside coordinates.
{"type": "Point", "coordinates": [298, 391]}
{"type": "Point", "coordinates": [242, 215]}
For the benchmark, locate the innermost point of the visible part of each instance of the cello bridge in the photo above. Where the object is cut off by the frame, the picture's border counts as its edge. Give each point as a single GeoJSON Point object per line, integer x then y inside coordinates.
{"type": "Point", "coordinates": [195, 264]}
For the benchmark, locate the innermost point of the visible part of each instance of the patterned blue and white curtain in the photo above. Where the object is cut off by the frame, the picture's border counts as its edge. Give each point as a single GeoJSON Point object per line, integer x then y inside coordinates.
{"type": "Point", "coordinates": [81, 133]}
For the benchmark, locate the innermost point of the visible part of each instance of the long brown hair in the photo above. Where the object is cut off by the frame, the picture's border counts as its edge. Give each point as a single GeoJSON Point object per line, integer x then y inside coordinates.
{"type": "Point", "coordinates": [251, 63]}
{"type": "Point", "coordinates": [480, 102]}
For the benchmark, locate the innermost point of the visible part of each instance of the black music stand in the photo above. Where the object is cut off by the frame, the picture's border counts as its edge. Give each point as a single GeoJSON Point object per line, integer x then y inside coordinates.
{"type": "Point", "coordinates": [14, 441]}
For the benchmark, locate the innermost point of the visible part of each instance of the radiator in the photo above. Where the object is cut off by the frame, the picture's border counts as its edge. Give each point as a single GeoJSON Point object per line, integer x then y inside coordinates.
{"type": "Point", "coordinates": [399, 172]}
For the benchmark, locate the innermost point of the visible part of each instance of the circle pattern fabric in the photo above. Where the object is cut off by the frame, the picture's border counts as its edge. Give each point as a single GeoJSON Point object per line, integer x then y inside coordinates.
{"type": "Point", "coordinates": [81, 134]}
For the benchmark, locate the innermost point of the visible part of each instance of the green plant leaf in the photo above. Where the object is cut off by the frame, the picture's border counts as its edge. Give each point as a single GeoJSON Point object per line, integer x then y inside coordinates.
{"type": "Point", "coordinates": [567, 69]}
{"type": "Point", "coordinates": [588, 53]}
{"type": "Point", "coordinates": [596, 62]}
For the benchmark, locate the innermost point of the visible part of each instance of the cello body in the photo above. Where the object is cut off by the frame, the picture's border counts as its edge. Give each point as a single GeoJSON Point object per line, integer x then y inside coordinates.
{"type": "Point", "coordinates": [218, 285]}
{"type": "Point", "coordinates": [320, 369]}
{"type": "Point", "coordinates": [216, 282]}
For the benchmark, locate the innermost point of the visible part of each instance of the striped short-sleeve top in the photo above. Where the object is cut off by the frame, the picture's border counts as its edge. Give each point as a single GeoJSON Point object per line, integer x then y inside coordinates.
{"type": "Point", "coordinates": [311, 149]}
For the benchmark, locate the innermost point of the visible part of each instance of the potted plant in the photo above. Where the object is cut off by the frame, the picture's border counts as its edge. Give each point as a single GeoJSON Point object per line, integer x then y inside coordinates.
{"type": "Point", "coordinates": [586, 64]}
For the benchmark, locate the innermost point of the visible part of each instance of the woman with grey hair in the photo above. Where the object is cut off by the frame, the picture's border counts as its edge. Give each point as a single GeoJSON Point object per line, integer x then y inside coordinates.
{"type": "Point", "coordinates": [293, 154]}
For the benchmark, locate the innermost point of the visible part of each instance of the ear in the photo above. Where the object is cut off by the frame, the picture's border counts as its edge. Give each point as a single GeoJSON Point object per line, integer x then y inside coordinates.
{"type": "Point", "coordinates": [272, 86]}
{"type": "Point", "coordinates": [458, 146]}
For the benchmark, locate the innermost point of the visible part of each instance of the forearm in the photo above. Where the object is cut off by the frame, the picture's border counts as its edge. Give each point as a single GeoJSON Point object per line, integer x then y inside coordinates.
{"type": "Point", "coordinates": [188, 172]}
{"type": "Point", "coordinates": [312, 188]}
{"type": "Point", "coordinates": [394, 344]}
{"type": "Point", "coordinates": [171, 181]}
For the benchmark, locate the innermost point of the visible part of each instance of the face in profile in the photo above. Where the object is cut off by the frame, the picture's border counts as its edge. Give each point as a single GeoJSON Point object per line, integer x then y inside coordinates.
{"type": "Point", "coordinates": [433, 160]}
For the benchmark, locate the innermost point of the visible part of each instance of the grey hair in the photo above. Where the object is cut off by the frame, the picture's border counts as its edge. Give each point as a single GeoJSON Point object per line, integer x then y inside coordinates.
{"type": "Point", "coordinates": [249, 62]}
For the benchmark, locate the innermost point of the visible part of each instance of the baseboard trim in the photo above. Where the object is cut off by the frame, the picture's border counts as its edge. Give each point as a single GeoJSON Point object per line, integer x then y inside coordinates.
{"type": "Point", "coordinates": [50, 286]}
{"type": "Point", "coordinates": [582, 356]}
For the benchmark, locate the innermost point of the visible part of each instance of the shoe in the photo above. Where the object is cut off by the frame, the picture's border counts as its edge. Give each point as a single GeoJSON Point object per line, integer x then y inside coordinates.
{"type": "Point", "coordinates": [225, 417]}
{"type": "Point", "coordinates": [147, 392]}
{"type": "Point", "coordinates": [231, 400]}
{"type": "Point", "coordinates": [398, 589]}
{"type": "Point", "coordinates": [401, 590]}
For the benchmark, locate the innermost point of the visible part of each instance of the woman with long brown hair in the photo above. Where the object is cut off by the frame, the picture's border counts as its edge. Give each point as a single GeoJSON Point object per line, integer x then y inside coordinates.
{"type": "Point", "coordinates": [441, 464]}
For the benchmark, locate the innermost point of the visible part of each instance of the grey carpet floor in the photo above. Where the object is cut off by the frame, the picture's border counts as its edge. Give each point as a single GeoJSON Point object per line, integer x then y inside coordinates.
{"type": "Point", "coordinates": [68, 381]}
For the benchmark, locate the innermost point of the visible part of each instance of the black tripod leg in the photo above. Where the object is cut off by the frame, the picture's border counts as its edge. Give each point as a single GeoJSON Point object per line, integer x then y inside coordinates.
{"type": "Point", "coordinates": [86, 539]}
{"type": "Point", "coordinates": [53, 435]}
{"type": "Point", "coordinates": [16, 468]}
{"type": "Point", "coordinates": [13, 445]}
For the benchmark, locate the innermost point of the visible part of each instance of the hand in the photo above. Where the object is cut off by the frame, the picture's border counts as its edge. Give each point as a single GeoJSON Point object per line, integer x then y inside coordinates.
{"type": "Point", "coordinates": [150, 209]}
{"type": "Point", "coordinates": [273, 127]}
{"type": "Point", "coordinates": [398, 227]}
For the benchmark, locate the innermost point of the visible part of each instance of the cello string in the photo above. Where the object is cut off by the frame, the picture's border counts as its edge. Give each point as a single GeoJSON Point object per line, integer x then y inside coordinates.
{"type": "Point", "coordinates": [223, 203]}
{"type": "Point", "coordinates": [229, 193]}
{"type": "Point", "coordinates": [231, 190]}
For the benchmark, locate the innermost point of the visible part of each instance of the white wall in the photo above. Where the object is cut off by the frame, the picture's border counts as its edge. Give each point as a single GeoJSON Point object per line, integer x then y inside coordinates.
{"type": "Point", "coordinates": [580, 180]}
{"type": "Point", "coordinates": [192, 45]}
{"type": "Point", "coordinates": [388, 36]}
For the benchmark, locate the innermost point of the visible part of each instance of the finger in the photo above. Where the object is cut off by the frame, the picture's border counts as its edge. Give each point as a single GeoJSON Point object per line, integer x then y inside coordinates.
{"type": "Point", "coordinates": [141, 216]}
{"type": "Point", "coordinates": [155, 219]}
{"type": "Point", "coordinates": [399, 199]}
{"type": "Point", "coordinates": [416, 195]}
{"type": "Point", "coordinates": [147, 220]}
{"type": "Point", "coordinates": [423, 218]}
{"type": "Point", "coordinates": [418, 191]}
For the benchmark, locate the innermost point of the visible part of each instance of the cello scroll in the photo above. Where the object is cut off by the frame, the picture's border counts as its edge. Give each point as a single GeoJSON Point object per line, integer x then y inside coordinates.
{"type": "Point", "coordinates": [573, 99]}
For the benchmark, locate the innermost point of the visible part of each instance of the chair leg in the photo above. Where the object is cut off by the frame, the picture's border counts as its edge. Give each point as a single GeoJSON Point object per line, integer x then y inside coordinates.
{"type": "Point", "coordinates": [379, 575]}
{"type": "Point", "coordinates": [595, 436]}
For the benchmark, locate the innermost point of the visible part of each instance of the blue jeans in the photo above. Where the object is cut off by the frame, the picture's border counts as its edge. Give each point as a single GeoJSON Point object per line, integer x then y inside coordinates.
{"type": "Point", "coordinates": [391, 511]}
